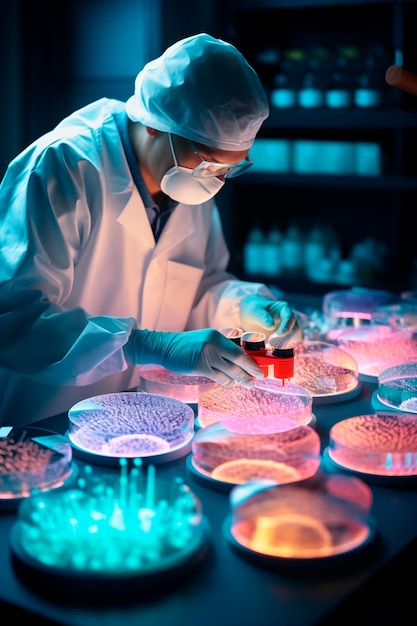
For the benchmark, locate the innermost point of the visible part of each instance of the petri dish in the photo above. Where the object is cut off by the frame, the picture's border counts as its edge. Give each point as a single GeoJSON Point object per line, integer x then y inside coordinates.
{"type": "Point", "coordinates": [326, 371]}
{"type": "Point", "coordinates": [223, 458]}
{"type": "Point", "coordinates": [158, 380]}
{"type": "Point", "coordinates": [110, 534]}
{"type": "Point", "coordinates": [130, 424]}
{"type": "Point", "coordinates": [397, 387]}
{"type": "Point", "coordinates": [32, 459]}
{"type": "Point", "coordinates": [269, 407]}
{"type": "Point", "coordinates": [376, 444]}
{"type": "Point", "coordinates": [319, 519]}
{"type": "Point", "coordinates": [353, 307]}
{"type": "Point", "coordinates": [377, 347]}
{"type": "Point", "coordinates": [401, 315]}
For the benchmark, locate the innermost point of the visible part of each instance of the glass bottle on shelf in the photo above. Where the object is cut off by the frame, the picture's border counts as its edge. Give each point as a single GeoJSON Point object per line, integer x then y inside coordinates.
{"type": "Point", "coordinates": [272, 252]}
{"type": "Point", "coordinates": [287, 81]}
{"type": "Point", "coordinates": [342, 78]}
{"type": "Point", "coordinates": [371, 85]}
{"type": "Point", "coordinates": [253, 251]}
{"type": "Point", "coordinates": [311, 94]}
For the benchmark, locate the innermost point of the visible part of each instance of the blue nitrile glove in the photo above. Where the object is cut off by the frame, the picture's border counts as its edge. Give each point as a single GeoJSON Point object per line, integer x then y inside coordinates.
{"type": "Point", "coordinates": [205, 352]}
{"type": "Point", "coordinates": [261, 314]}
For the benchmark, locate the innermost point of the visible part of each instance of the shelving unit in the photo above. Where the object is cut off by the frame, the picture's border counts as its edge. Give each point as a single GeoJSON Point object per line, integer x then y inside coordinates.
{"type": "Point", "coordinates": [357, 207]}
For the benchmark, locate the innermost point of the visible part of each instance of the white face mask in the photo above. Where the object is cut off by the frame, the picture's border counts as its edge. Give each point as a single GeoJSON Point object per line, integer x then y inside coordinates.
{"type": "Point", "coordinates": [179, 184]}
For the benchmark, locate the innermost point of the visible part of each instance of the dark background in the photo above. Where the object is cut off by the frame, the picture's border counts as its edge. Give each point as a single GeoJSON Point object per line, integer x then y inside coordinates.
{"type": "Point", "coordinates": [57, 58]}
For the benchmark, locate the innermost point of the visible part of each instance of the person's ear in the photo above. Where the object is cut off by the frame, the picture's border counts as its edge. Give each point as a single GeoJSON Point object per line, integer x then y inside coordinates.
{"type": "Point", "coordinates": [152, 131]}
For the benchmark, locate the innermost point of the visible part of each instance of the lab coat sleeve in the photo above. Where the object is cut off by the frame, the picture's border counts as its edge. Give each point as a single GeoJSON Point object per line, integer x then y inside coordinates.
{"type": "Point", "coordinates": [220, 293]}
{"type": "Point", "coordinates": [42, 227]}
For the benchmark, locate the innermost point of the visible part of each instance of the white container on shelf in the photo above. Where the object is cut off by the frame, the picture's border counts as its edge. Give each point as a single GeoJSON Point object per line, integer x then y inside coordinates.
{"type": "Point", "coordinates": [271, 155]}
{"type": "Point", "coordinates": [367, 159]}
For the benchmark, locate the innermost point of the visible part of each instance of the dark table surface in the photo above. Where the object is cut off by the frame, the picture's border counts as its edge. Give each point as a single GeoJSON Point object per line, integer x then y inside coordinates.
{"type": "Point", "coordinates": [227, 588]}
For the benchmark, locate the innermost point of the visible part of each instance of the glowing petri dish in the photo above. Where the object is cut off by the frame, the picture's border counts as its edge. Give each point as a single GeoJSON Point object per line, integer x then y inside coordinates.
{"type": "Point", "coordinates": [32, 459]}
{"type": "Point", "coordinates": [231, 458]}
{"type": "Point", "coordinates": [110, 534]}
{"type": "Point", "coordinates": [317, 519]}
{"type": "Point", "coordinates": [397, 387]}
{"type": "Point", "coordinates": [352, 307]}
{"type": "Point", "coordinates": [130, 424]}
{"type": "Point", "coordinates": [158, 380]}
{"type": "Point", "coordinates": [326, 371]}
{"type": "Point", "coordinates": [401, 315]}
{"type": "Point", "coordinates": [377, 347]}
{"type": "Point", "coordinates": [380, 444]}
{"type": "Point", "coordinates": [269, 407]}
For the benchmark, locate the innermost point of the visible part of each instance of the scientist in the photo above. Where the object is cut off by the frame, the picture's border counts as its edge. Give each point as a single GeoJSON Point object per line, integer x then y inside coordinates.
{"type": "Point", "coordinates": [111, 248]}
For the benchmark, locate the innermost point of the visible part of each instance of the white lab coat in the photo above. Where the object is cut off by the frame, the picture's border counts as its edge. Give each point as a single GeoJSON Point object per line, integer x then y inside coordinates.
{"type": "Point", "coordinates": [79, 269]}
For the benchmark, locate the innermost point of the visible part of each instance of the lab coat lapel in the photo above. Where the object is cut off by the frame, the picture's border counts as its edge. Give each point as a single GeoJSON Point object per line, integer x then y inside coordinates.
{"type": "Point", "coordinates": [172, 278]}
{"type": "Point", "coordinates": [133, 217]}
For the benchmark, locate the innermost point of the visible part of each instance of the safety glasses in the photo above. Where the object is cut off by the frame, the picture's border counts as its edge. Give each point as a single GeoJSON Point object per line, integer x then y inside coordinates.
{"type": "Point", "coordinates": [208, 168]}
{"type": "Point", "coordinates": [225, 170]}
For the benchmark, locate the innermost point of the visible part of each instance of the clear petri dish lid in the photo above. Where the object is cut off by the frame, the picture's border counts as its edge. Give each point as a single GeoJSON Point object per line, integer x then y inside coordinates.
{"type": "Point", "coordinates": [230, 458]}
{"type": "Point", "coordinates": [376, 444]}
{"type": "Point", "coordinates": [130, 424]}
{"type": "Point", "coordinates": [270, 406]}
{"type": "Point", "coordinates": [322, 517]}
{"type": "Point", "coordinates": [326, 371]}
{"type": "Point", "coordinates": [187, 388]}
{"type": "Point", "coordinates": [397, 387]}
{"type": "Point", "coordinates": [378, 346]}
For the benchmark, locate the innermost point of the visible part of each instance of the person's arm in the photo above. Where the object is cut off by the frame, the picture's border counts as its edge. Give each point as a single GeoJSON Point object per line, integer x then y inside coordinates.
{"type": "Point", "coordinates": [225, 301]}
{"type": "Point", "coordinates": [44, 225]}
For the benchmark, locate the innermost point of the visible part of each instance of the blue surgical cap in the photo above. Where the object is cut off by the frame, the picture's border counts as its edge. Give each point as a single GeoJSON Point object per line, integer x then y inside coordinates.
{"type": "Point", "coordinates": [203, 89]}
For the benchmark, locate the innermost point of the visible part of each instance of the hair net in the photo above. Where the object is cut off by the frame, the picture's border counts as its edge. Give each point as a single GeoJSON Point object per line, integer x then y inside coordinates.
{"type": "Point", "coordinates": [203, 89]}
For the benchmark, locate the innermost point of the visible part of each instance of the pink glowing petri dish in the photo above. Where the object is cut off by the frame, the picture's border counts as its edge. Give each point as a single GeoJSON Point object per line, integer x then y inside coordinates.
{"type": "Point", "coordinates": [269, 407]}
{"type": "Point", "coordinates": [131, 424]}
{"type": "Point", "coordinates": [377, 347]}
{"type": "Point", "coordinates": [401, 315]}
{"type": "Point", "coordinates": [380, 444]}
{"type": "Point", "coordinates": [352, 307]}
{"type": "Point", "coordinates": [32, 459]}
{"type": "Point", "coordinates": [326, 371]}
{"type": "Point", "coordinates": [397, 387]}
{"type": "Point", "coordinates": [231, 458]}
{"type": "Point", "coordinates": [317, 519]}
{"type": "Point", "coordinates": [158, 380]}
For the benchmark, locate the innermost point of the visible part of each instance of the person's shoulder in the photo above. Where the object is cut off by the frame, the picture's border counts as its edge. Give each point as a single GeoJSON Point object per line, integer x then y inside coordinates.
{"type": "Point", "coordinates": [93, 115]}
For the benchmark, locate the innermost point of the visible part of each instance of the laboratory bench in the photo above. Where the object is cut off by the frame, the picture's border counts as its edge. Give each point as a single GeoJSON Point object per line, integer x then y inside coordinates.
{"type": "Point", "coordinates": [226, 586]}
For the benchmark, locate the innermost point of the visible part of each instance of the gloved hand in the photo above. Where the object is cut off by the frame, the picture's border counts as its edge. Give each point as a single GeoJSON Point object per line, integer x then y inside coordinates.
{"type": "Point", "coordinates": [271, 317]}
{"type": "Point", "coordinates": [203, 352]}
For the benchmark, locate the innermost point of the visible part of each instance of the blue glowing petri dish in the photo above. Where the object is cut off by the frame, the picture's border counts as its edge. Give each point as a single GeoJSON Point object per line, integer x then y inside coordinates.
{"type": "Point", "coordinates": [397, 387]}
{"type": "Point", "coordinates": [109, 534]}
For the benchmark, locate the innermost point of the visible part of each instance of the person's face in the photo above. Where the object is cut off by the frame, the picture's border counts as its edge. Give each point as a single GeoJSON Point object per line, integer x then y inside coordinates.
{"type": "Point", "coordinates": [191, 155]}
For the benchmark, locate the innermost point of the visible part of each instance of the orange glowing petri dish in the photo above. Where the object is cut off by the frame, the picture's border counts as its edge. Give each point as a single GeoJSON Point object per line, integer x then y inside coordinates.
{"type": "Point", "coordinates": [32, 459]}
{"type": "Point", "coordinates": [319, 518]}
{"type": "Point", "coordinates": [235, 458]}
{"type": "Point", "coordinates": [380, 444]}
{"type": "Point", "coordinates": [187, 388]}
{"type": "Point", "coordinates": [269, 407]}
